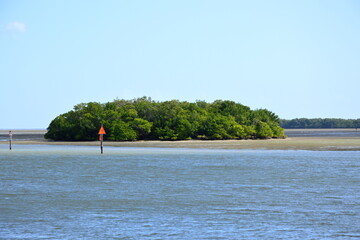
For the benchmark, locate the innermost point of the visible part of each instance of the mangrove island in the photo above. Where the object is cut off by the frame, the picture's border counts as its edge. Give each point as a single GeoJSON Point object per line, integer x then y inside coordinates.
{"type": "Point", "coordinates": [145, 119]}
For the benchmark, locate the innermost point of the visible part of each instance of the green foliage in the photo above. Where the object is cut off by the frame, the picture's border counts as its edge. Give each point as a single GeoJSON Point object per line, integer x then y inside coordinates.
{"type": "Point", "coordinates": [263, 130]}
{"type": "Point", "coordinates": [120, 130]}
{"type": "Point", "coordinates": [278, 132]}
{"type": "Point", "coordinates": [143, 118]}
{"type": "Point", "coordinates": [320, 123]}
{"type": "Point", "coordinates": [142, 127]}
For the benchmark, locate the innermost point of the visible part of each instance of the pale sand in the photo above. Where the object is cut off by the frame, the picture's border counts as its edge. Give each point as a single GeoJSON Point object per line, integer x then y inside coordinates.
{"type": "Point", "coordinates": [300, 143]}
{"type": "Point", "coordinates": [291, 143]}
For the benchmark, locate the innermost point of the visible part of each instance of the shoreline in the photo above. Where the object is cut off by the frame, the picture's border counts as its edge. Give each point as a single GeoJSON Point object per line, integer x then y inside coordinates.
{"type": "Point", "coordinates": [287, 130]}
{"type": "Point", "coordinates": [294, 143]}
{"type": "Point", "coordinates": [299, 139]}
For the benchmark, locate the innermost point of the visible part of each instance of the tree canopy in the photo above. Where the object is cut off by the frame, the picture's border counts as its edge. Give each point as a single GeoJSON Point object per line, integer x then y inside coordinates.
{"type": "Point", "coordinates": [145, 119]}
{"type": "Point", "coordinates": [320, 123]}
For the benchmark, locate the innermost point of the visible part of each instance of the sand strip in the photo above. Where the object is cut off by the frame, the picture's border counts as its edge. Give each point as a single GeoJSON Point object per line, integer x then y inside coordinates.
{"type": "Point", "coordinates": [301, 143]}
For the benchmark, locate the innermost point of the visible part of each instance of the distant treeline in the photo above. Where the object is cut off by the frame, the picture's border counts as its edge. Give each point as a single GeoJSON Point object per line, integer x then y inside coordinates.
{"type": "Point", "coordinates": [320, 123]}
{"type": "Point", "coordinates": [145, 119]}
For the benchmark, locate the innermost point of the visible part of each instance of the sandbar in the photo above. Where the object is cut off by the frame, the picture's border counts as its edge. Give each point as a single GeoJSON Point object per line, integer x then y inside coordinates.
{"type": "Point", "coordinates": [303, 142]}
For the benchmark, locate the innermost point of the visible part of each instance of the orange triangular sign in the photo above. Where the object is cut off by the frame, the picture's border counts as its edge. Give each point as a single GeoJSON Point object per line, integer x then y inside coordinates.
{"type": "Point", "coordinates": [102, 130]}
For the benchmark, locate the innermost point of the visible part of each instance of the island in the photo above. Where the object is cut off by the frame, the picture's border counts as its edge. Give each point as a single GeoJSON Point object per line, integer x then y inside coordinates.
{"type": "Point", "coordinates": [145, 119]}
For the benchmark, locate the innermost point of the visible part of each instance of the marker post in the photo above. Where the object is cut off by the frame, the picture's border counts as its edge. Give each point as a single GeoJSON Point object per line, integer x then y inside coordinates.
{"type": "Point", "coordinates": [101, 143]}
{"type": "Point", "coordinates": [101, 137]}
{"type": "Point", "coordinates": [10, 140]}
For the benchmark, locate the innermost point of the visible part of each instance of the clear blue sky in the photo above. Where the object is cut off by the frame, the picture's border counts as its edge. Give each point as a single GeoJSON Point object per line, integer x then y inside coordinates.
{"type": "Point", "coordinates": [295, 58]}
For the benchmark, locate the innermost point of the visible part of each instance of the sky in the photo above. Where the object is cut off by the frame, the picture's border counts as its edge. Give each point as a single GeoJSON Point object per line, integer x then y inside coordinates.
{"type": "Point", "coordinates": [294, 58]}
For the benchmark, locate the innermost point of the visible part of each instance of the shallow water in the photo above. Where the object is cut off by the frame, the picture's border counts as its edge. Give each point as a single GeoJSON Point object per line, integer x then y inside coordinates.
{"type": "Point", "coordinates": [328, 133]}
{"type": "Point", "coordinates": [73, 192]}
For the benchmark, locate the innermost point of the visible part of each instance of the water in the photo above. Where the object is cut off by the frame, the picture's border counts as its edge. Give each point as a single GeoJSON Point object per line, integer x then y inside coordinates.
{"type": "Point", "coordinates": [22, 135]}
{"type": "Point", "coordinates": [68, 192]}
{"type": "Point", "coordinates": [328, 133]}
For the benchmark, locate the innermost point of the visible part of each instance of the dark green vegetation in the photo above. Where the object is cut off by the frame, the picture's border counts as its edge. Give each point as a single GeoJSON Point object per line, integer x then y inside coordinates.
{"type": "Point", "coordinates": [144, 119]}
{"type": "Point", "coordinates": [320, 123]}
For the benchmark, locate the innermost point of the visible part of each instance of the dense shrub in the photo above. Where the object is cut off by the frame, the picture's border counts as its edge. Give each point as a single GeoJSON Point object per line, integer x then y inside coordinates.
{"type": "Point", "coordinates": [142, 119]}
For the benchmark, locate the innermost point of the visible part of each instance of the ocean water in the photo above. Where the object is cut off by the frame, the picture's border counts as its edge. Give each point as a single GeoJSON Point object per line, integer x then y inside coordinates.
{"type": "Point", "coordinates": [72, 192]}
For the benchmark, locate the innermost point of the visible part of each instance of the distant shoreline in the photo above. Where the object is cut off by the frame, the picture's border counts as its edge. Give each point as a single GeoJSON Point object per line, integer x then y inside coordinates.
{"type": "Point", "coordinates": [300, 139]}
{"type": "Point", "coordinates": [23, 131]}
{"type": "Point", "coordinates": [287, 130]}
{"type": "Point", "coordinates": [322, 129]}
